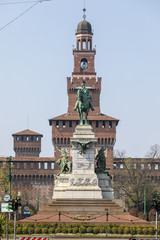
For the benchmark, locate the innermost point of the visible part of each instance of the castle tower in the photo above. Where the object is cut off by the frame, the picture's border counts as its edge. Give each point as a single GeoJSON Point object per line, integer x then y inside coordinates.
{"type": "Point", "coordinates": [64, 125]}
{"type": "Point", "coordinates": [27, 143]}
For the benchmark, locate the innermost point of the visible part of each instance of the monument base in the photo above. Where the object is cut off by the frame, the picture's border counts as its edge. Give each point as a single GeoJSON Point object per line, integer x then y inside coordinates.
{"type": "Point", "coordinates": [81, 186]}
{"type": "Point", "coordinates": [81, 207]}
{"type": "Point", "coordinates": [104, 182]}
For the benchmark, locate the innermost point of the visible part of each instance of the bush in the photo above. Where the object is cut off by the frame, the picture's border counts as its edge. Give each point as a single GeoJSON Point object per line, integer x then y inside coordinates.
{"type": "Point", "coordinates": [102, 230]}
{"type": "Point", "coordinates": [11, 230]}
{"type": "Point", "coordinates": [96, 230]}
{"type": "Point", "coordinates": [82, 229]}
{"type": "Point", "coordinates": [64, 230]}
{"type": "Point", "coordinates": [69, 230]}
{"type": "Point", "coordinates": [51, 230]}
{"type": "Point", "coordinates": [19, 230]}
{"type": "Point", "coordinates": [145, 231]}
{"type": "Point", "coordinates": [109, 229]}
{"type": "Point", "coordinates": [114, 230]}
{"type": "Point", "coordinates": [121, 230]}
{"type": "Point", "coordinates": [31, 230]}
{"type": "Point", "coordinates": [58, 230]}
{"type": "Point", "coordinates": [126, 230]}
{"type": "Point", "coordinates": [45, 230]}
{"type": "Point", "coordinates": [151, 230]}
{"type": "Point", "coordinates": [133, 230]}
{"type": "Point", "coordinates": [25, 230]}
{"type": "Point", "coordinates": [37, 230]}
{"type": "Point", "coordinates": [89, 230]}
{"type": "Point", "coordinates": [75, 230]}
{"type": "Point", "coordinates": [139, 231]}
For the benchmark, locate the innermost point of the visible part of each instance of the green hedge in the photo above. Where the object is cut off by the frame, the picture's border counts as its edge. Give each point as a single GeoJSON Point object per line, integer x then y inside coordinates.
{"type": "Point", "coordinates": [81, 228]}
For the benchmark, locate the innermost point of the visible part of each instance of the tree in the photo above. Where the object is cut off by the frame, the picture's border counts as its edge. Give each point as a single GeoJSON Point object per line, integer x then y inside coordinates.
{"type": "Point", "coordinates": [154, 152]}
{"type": "Point", "coordinates": [4, 173]}
{"type": "Point", "coordinates": [119, 153]}
{"type": "Point", "coordinates": [132, 182]}
{"type": "Point", "coordinates": [2, 224]}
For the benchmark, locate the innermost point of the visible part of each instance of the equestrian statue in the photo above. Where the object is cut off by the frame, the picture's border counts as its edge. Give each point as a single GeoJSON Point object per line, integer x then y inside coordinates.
{"type": "Point", "coordinates": [83, 103]}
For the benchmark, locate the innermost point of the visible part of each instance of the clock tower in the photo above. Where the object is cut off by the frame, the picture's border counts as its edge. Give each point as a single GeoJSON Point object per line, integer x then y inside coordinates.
{"type": "Point", "coordinates": [103, 125]}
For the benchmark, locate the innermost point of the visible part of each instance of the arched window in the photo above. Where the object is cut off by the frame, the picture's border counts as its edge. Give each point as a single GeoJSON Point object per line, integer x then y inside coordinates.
{"type": "Point", "coordinates": [79, 45]}
{"type": "Point", "coordinates": [84, 44]}
{"type": "Point", "coordinates": [84, 63]}
{"type": "Point", "coordinates": [89, 44]}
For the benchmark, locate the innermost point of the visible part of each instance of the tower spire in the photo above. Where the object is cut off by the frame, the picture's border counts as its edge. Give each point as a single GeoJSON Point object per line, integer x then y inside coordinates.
{"type": "Point", "coordinates": [84, 15]}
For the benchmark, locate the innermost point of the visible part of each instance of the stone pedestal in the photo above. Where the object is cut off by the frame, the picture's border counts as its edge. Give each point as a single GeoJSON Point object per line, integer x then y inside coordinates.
{"type": "Point", "coordinates": [83, 182]}
{"type": "Point", "coordinates": [105, 184]}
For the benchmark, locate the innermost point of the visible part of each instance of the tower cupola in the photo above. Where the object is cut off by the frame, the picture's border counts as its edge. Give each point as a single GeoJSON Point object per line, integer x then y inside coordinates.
{"type": "Point", "coordinates": [84, 27]}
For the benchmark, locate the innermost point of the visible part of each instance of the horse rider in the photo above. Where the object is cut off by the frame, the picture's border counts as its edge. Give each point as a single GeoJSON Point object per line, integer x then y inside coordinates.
{"type": "Point", "coordinates": [84, 91]}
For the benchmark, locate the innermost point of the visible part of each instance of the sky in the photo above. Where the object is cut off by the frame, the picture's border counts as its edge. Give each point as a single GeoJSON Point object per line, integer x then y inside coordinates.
{"type": "Point", "coordinates": [36, 58]}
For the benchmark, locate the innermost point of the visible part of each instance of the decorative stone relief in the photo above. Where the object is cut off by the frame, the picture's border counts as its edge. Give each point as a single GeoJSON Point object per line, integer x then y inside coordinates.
{"type": "Point", "coordinates": [83, 182]}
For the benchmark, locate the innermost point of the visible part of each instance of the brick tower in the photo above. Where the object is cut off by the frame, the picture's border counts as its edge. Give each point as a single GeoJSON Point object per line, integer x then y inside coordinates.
{"type": "Point", "coordinates": [64, 125]}
{"type": "Point", "coordinates": [27, 143]}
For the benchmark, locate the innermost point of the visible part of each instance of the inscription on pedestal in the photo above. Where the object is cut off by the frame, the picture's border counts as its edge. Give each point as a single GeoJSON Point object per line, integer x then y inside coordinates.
{"type": "Point", "coordinates": [83, 182]}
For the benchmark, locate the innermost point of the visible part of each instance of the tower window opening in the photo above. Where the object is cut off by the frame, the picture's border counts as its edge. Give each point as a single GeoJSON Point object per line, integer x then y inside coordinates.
{"type": "Point", "coordinates": [84, 63]}
{"type": "Point", "coordinates": [89, 44]}
{"type": "Point", "coordinates": [52, 165]}
{"type": "Point", "coordinates": [105, 141]}
{"type": "Point", "coordinates": [31, 138]}
{"type": "Point", "coordinates": [149, 166]}
{"type": "Point", "coordinates": [142, 166]}
{"type": "Point", "coordinates": [37, 138]}
{"type": "Point", "coordinates": [84, 44]}
{"type": "Point", "coordinates": [79, 44]}
{"type": "Point", "coordinates": [121, 166]}
{"type": "Point", "coordinates": [156, 166]}
{"type": "Point", "coordinates": [27, 138]}
{"type": "Point", "coordinates": [64, 124]}
{"type": "Point", "coordinates": [61, 140]}
{"type": "Point", "coordinates": [103, 124]}
{"type": "Point", "coordinates": [45, 165]}
{"type": "Point", "coordinates": [110, 124]}
{"type": "Point", "coordinates": [97, 124]}
{"type": "Point", "coordinates": [22, 138]}
{"type": "Point", "coordinates": [17, 138]}
{"type": "Point", "coordinates": [39, 165]}
{"type": "Point", "coordinates": [134, 165]}
{"type": "Point", "coordinates": [70, 123]}
{"type": "Point", "coordinates": [57, 123]}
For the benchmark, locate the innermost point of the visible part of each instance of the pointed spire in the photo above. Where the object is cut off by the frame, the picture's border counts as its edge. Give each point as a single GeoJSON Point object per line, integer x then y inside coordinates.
{"type": "Point", "coordinates": [84, 15]}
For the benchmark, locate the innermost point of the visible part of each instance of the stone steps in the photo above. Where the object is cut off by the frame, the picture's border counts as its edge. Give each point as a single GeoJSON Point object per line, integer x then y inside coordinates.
{"type": "Point", "coordinates": [77, 206]}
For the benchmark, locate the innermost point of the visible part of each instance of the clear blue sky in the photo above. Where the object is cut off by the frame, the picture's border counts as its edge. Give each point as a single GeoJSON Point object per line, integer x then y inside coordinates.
{"type": "Point", "coordinates": [36, 57]}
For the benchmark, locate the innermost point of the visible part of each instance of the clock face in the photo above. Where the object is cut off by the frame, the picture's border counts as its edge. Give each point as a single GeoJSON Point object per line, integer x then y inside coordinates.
{"type": "Point", "coordinates": [84, 64]}
{"type": "Point", "coordinates": [6, 197]}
